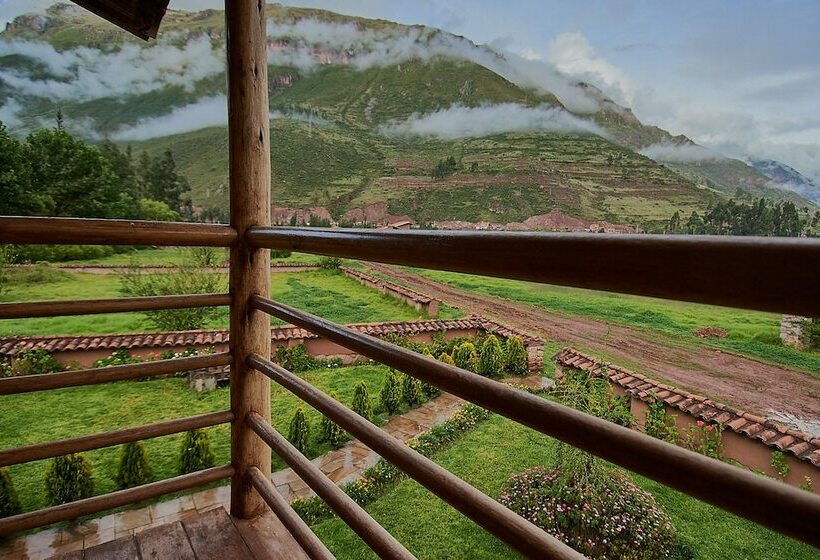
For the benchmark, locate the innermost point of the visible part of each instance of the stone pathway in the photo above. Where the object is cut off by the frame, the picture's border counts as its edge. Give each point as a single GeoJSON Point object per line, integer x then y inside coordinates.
{"type": "Point", "coordinates": [341, 465]}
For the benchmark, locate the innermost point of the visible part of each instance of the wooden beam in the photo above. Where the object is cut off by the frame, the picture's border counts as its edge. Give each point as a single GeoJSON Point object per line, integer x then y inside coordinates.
{"type": "Point", "coordinates": [249, 161]}
{"type": "Point", "coordinates": [28, 309]}
{"type": "Point", "coordinates": [84, 231]}
{"type": "Point", "coordinates": [140, 17]}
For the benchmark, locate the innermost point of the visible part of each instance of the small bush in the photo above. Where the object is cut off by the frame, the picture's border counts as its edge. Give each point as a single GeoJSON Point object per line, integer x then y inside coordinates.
{"type": "Point", "coordinates": [133, 469]}
{"type": "Point", "coordinates": [296, 358]}
{"type": "Point", "coordinates": [280, 254]}
{"type": "Point", "coordinates": [659, 424]}
{"type": "Point", "coordinates": [331, 431]}
{"type": "Point", "coordinates": [117, 358]}
{"type": "Point", "coordinates": [330, 263]}
{"type": "Point", "coordinates": [466, 357]}
{"type": "Point", "coordinates": [390, 395]}
{"type": "Point", "coordinates": [615, 519]}
{"type": "Point", "coordinates": [69, 478]}
{"type": "Point", "coordinates": [411, 390]}
{"type": "Point", "coordinates": [515, 357]}
{"type": "Point", "coordinates": [35, 361]}
{"type": "Point", "coordinates": [299, 430]}
{"type": "Point", "coordinates": [361, 401]}
{"type": "Point", "coordinates": [195, 452]}
{"type": "Point", "coordinates": [9, 502]}
{"type": "Point", "coordinates": [491, 358]}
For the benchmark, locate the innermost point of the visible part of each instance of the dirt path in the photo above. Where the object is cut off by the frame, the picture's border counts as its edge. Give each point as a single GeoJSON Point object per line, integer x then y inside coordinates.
{"type": "Point", "coordinates": [742, 382]}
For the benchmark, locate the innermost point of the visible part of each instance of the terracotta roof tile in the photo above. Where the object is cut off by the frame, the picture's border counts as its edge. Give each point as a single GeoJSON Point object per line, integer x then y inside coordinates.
{"type": "Point", "coordinates": [773, 434]}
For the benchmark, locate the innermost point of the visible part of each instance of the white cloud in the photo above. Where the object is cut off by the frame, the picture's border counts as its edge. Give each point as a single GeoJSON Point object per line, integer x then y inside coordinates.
{"type": "Point", "coordinates": [207, 112]}
{"type": "Point", "coordinates": [678, 153]}
{"type": "Point", "coordinates": [459, 121]}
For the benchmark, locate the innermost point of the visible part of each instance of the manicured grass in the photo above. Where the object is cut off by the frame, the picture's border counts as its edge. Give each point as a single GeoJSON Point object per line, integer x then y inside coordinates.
{"type": "Point", "coordinates": [486, 457]}
{"type": "Point", "coordinates": [750, 333]}
{"type": "Point", "coordinates": [326, 293]}
{"type": "Point", "coordinates": [39, 417]}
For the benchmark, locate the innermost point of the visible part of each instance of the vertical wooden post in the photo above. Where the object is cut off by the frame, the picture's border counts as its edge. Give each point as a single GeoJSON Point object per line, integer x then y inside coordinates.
{"type": "Point", "coordinates": [249, 145]}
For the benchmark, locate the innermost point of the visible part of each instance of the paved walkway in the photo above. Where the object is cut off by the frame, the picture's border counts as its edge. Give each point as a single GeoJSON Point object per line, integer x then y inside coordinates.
{"type": "Point", "coordinates": [341, 465]}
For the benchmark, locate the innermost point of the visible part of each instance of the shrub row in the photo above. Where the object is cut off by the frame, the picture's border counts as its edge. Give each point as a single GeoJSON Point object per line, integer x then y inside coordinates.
{"type": "Point", "coordinates": [70, 477]}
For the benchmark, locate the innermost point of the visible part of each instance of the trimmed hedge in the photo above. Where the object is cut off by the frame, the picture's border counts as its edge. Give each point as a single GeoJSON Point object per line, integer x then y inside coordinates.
{"type": "Point", "coordinates": [133, 469]}
{"type": "Point", "coordinates": [9, 501]}
{"type": "Point", "coordinates": [299, 430]}
{"type": "Point", "coordinates": [69, 478]}
{"type": "Point", "coordinates": [195, 452]}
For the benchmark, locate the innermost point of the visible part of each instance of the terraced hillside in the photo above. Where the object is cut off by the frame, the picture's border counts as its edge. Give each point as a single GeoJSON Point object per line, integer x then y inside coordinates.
{"type": "Point", "coordinates": [350, 100]}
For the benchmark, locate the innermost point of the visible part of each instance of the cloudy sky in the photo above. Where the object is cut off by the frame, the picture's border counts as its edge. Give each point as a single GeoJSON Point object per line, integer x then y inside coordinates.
{"type": "Point", "coordinates": [739, 76]}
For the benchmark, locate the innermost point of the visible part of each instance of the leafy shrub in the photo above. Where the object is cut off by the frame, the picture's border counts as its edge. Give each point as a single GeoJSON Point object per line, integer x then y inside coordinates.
{"type": "Point", "coordinates": [280, 254]}
{"type": "Point", "coordinates": [187, 278]}
{"type": "Point", "coordinates": [133, 469]}
{"type": "Point", "coordinates": [68, 479]}
{"type": "Point", "coordinates": [779, 464]}
{"type": "Point", "coordinates": [58, 253]}
{"type": "Point", "coordinates": [491, 358]}
{"type": "Point", "coordinates": [706, 439]}
{"type": "Point", "coordinates": [616, 519]}
{"type": "Point", "coordinates": [811, 333]}
{"type": "Point", "coordinates": [466, 357]}
{"type": "Point", "coordinates": [38, 274]}
{"type": "Point", "coordinates": [515, 357]}
{"type": "Point", "coordinates": [35, 361]}
{"type": "Point", "coordinates": [390, 395]}
{"type": "Point", "coordinates": [361, 401]}
{"type": "Point", "coordinates": [296, 358]}
{"type": "Point", "coordinates": [195, 452]}
{"type": "Point", "coordinates": [444, 168]}
{"type": "Point", "coordinates": [411, 390]}
{"type": "Point", "coordinates": [331, 431]}
{"type": "Point", "coordinates": [330, 263]}
{"type": "Point", "coordinates": [299, 430]}
{"type": "Point", "coordinates": [659, 424]}
{"type": "Point", "coordinates": [9, 502]}
{"type": "Point", "coordinates": [118, 357]}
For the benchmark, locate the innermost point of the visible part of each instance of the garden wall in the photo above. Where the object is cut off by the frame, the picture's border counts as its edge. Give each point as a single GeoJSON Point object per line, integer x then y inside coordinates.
{"type": "Point", "coordinates": [417, 300]}
{"type": "Point", "coordinates": [747, 439]}
{"type": "Point", "coordinates": [85, 350]}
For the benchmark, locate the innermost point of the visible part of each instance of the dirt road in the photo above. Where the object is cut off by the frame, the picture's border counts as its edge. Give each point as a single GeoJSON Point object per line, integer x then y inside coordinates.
{"type": "Point", "coordinates": [742, 382]}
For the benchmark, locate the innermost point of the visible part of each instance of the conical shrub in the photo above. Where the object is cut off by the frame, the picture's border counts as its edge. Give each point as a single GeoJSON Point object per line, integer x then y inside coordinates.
{"type": "Point", "coordinates": [515, 356]}
{"type": "Point", "coordinates": [331, 431]}
{"type": "Point", "coordinates": [390, 396]}
{"type": "Point", "coordinates": [133, 469]}
{"type": "Point", "coordinates": [361, 401]}
{"type": "Point", "coordinates": [195, 452]}
{"type": "Point", "coordinates": [9, 502]}
{"type": "Point", "coordinates": [465, 356]}
{"type": "Point", "coordinates": [299, 430]}
{"type": "Point", "coordinates": [411, 392]}
{"type": "Point", "coordinates": [491, 358]}
{"type": "Point", "coordinates": [69, 478]}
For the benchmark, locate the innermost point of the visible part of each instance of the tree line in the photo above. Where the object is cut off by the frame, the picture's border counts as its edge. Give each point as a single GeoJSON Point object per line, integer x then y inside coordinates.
{"type": "Point", "coordinates": [53, 173]}
{"type": "Point", "coordinates": [759, 217]}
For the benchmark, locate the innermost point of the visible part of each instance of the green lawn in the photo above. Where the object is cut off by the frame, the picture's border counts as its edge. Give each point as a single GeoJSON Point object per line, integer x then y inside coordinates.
{"type": "Point", "coordinates": [322, 292]}
{"type": "Point", "coordinates": [486, 457]}
{"type": "Point", "coordinates": [172, 255]}
{"type": "Point", "coordinates": [751, 333]}
{"type": "Point", "coordinates": [39, 417]}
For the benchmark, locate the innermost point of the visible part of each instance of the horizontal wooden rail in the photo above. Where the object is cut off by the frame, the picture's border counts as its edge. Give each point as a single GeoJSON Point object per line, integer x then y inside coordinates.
{"type": "Point", "coordinates": [307, 539]}
{"type": "Point", "coordinates": [373, 534]}
{"type": "Point", "coordinates": [774, 504]}
{"type": "Point", "coordinates": [96, 504]}
{"type": "Point", "coordinates": [514, 530]}
{"type": "Point", "coordinates": [51, 449]}
{"type": "Point", "coordinates": [94, 376]}
{"type": "Point", "coordinates": [83, 231]}
{"type": "Point", "coordinates": [765, 273]}
{"type": "Point", "coordinates": [28, 309]}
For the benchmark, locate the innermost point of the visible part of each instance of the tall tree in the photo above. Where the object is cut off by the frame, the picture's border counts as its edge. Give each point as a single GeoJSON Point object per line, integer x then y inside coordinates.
{"type": "Point", "coordinates": [16, 196]}
{"type": "Point", "coordinates": [160, 181]}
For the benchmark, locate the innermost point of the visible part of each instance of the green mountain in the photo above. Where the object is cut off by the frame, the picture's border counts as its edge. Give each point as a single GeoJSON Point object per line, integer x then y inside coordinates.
{"type": "Point", "coordinates": [351, 116]}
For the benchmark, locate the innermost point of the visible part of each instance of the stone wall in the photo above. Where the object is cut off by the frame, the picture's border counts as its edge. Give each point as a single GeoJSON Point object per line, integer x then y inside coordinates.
{"type": "Point", "coordinates": [411, 297]}
{"type": "Point", "coordinates": [791, 331]}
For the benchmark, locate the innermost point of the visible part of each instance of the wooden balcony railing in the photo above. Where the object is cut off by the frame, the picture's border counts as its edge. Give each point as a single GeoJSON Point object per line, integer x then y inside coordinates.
{"type": "Point", "coordinates": [780, 275]}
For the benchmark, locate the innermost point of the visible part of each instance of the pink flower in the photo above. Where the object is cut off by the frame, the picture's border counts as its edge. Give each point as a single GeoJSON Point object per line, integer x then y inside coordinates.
{"type": "Point", "coordinates": [699, 423]}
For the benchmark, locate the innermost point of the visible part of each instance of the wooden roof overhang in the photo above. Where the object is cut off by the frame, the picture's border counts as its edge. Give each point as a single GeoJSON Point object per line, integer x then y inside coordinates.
{"type": "Point", "coordinates": [140, 17]}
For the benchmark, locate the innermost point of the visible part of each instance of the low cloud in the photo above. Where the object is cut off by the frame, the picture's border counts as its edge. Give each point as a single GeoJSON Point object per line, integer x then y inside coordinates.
{"type": "Point", "coordinates": [679, 153]}
{"type": "Point", "coordinates": [459, 121]}
{"type": "Point", "coordinates": [309, 43]}
{"type": "Point", "coordinates": [205, 113]}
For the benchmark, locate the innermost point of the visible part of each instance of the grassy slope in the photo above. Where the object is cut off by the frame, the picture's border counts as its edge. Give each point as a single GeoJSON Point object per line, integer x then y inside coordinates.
{"type": "Point", "coordinates": [750, 333]}
{"type": "Point", "coordinates": [329, 294]}
{"type": "Point", "coordinates": [498, 448]}
{"type": "Point", "coordinates": [31, 418]}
